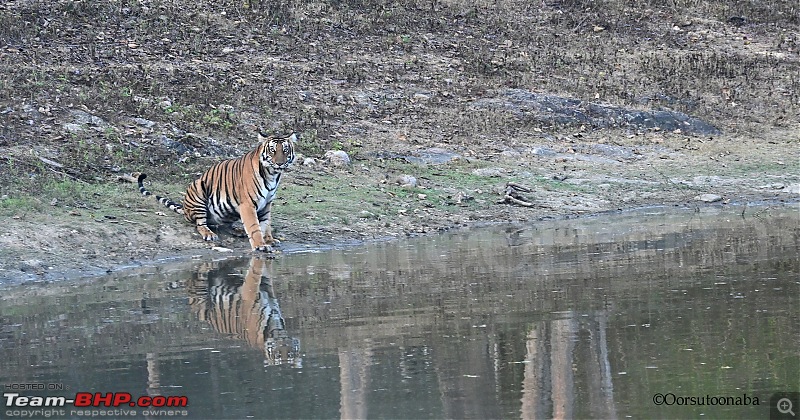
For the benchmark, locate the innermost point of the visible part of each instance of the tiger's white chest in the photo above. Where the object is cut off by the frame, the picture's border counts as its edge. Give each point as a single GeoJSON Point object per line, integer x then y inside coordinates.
{"type": "Point", "coordinates": [263, 201]}
{"type": "Point", "coordinates": [268, 190]}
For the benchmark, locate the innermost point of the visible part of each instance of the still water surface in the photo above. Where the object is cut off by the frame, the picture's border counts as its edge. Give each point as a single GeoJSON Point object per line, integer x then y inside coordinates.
{"type": "Point", "coordinates": [576, 318]}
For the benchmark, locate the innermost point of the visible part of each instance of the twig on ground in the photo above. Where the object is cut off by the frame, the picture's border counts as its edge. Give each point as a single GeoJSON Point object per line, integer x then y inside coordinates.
{"type": "Point", "coordinates": [512, 195]}
{"type": "Point", "coordinates": [128, 178]}
{"type": "Point", "coordinates": [51, 166]}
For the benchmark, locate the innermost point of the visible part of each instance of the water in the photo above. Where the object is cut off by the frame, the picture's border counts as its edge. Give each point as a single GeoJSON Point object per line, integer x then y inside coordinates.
{"type": "Point", "coordinates": [588, 317]}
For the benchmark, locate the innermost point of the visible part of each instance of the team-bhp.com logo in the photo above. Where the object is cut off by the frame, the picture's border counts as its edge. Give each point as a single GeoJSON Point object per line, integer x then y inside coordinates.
{"type": "Point", "coordinates": [87, 399]}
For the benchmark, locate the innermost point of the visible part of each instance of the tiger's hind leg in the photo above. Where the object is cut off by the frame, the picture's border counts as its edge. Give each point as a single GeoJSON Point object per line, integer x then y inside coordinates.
{"type": "Point", "coordinates": [195, 211]}
{"type": "Point", "coordinates": [206, 233]}
{"type": "Point", "coordinates": [201, 223]}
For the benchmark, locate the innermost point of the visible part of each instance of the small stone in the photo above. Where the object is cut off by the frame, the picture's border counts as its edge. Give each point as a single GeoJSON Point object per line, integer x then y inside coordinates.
{"type": "Point", "coordinates": [489, 172]}
{"type": "Point", "coordinates": [73, 128]}
{"type": "Point", "coordinates": [337, 157]}
{"type": "Point", "coordinates": [31, 265]}
{"type": "Point", "coordinates": [176, 146]}
{"type": "Point", "coordinates": [406, 181]}
{"type": "Point", "coordinates": [144, 122]}
{"type": "Point", "coordinates": [309, 161]}
{"type": "Point", "coordinates": [432, 156]}
{"type": "Point", "coordinates": [85, 118]}
{"type": "Point", "coordinates": [463, 196]}
{"type": "Point", "coordinates": [773, 186]}
{"type": "Point", "coordinates": [708, 198]}
{"type": "Point", "coordinates": [792, 189]}
{"type": "Point", "coordinates": [542, 151]}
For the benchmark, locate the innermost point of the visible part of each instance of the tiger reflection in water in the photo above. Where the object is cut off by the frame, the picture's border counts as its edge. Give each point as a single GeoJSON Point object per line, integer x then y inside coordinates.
{"type": "Point", "coordinates": [246, 309]}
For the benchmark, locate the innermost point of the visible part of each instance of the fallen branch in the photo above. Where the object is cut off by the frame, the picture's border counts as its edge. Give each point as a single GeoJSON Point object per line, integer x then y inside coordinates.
{"type": "Point", "coordinates": [52, 165]}
{"type": "Point", "coordinates": [518, 187]}
{"type": "Point", "coordinates": [128, 178]}
{"type": "Point", "coordinates": [513, 196]}
{"type": "Point", "coordinates": [50, 162]}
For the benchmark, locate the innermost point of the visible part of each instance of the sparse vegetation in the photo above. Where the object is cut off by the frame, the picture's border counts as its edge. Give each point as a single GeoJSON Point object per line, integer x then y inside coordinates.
{"type": "Point", "coordinates": [91, 90]}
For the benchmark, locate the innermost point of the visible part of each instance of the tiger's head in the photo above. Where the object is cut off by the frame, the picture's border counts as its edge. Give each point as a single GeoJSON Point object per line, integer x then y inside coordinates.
{"type": "Point", "coordinates": [277, 153]}
{"type": "Point", "coordinates": [282, 350]}
{"type": "Point", "coordinates": [279, 347]}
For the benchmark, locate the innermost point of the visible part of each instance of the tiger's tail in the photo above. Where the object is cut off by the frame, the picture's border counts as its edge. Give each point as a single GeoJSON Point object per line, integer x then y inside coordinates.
{"type": "Point", "coordinates": [166, 202]}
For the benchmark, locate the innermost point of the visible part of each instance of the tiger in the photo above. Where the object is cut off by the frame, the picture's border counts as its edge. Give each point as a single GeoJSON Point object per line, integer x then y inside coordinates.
{"type": "Point", "coordinates": [237, 189]}
{"type": "Point", "coordinates": [246, 309]}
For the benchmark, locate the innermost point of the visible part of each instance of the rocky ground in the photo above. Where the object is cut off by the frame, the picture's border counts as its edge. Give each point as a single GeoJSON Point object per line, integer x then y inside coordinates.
{"type": "Point", "coordinates": [442, 108]}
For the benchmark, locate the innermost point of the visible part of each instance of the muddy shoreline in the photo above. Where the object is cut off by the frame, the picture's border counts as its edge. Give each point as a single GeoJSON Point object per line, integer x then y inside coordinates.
{"type": "Point", "coordinates": [72, 269]}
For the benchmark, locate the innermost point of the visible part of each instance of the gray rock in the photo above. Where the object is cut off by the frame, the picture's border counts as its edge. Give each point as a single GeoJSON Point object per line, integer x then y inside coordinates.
{"type": "Point", "coordinates": [773, 186]}
{"type": "Point", "coordinates": [510, 154]}
{"type": "Point", "coordinates": [31, 266]}
{"type": "Point", "coordinates": [489, 172]}
{"type": "Point", "coordinates": [433, 156]}
{"type": "Point", "coordinates": [144, 122]}
{"type": "Point", "coordinates": [85, 118]}
{"type": "Point", "coordinates": [406, 181]}
{"type": "Point", "coordinates": [176, 146]}
{"type": "Point", "coordinates": [556, 110]}
{"type": "Point", "coordinates": [618, 152]}
{"type": "Point", "coordinates": [337, 157]}
{"type": "Point", "coordinates": [73, 128]}
{"type": "Point", "coordinates": [708, 198]}
{"type": "Point", "coordinates": [792, 189]}
{"type": "Point", "coordinates": [31, 112]}
{"type": "Point", "coordinates": [542, 151]}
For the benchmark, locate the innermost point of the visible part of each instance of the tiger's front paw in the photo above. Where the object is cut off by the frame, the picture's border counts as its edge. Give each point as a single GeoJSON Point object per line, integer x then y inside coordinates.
{"type": "Point", "coordinates": [269, 240]}
{"type": "Point", "coordinates": [264, 248]}
{"type": "Point", "coordinates": [207, 233]}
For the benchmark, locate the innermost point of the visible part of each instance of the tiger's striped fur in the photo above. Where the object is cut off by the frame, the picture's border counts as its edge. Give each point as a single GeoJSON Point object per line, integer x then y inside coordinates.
{"type": "Point", "coordinates": [237, 189]}
{"type": "Point", "coordinates": [245, 309]}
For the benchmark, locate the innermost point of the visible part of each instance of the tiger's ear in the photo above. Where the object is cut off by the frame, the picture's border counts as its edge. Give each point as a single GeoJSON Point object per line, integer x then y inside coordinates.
{"type": "Point", "coordinates": [261, 134]}
{"type": "Point", "coordinates": [293, 139]}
